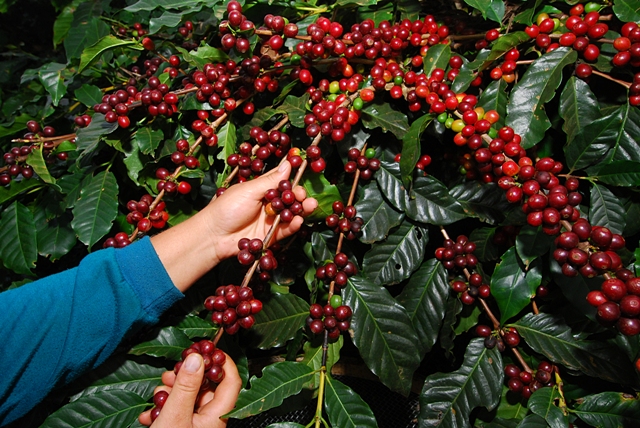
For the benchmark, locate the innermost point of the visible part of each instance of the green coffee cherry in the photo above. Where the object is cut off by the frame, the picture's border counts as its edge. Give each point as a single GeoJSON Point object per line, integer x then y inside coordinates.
{"type": "Point", "coordinates": [336, 300]}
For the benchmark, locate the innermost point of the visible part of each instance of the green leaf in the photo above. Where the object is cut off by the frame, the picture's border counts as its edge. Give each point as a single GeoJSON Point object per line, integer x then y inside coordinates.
{"type": "Point", "coordinates": [227, 139]}
{"type": "Point", "coordinates": [281, 317]}
{"type": "Point", "coordinates": [591, 143]}
{"type": "Point", "coordinates": [525, 112]}
{"type": "Point", "coordinates": [468, 71]}
{"type": "Point", "coordinates": [578, 107]}
{"type": "Point", "coordinates": [63, 23]}
{"type": "Point", "coordinates": [606, 209]}
{"type": "Point", "coordinates": [345, 408]}
{"type": "Point", "coordinates": [324, 192]}
{"type": "Point", "coordinates": [609, 410]}
{"type": "Point", "coordinates": [295, 108]}
{"type": "Point", "coordinates": [89, 95]}
{"type": "Point", "coordinates": [447, 399]}
{"type": "Point", "coordinates": [531, 243]}
{"type": "Point", "coordinates": [619, 173]}
{"type": "Point", "coordinates": [87, 139]}
{"type": "Point", "coordinates": [533, 421]}
{"type": "Point", "coordinates": [512, 285]}
{"type": "Point", "coordinates": [87, 28]}
{"type": "Point", "coordinates": [494, 97]}
{"type": "Point", "coordinates": [382, 115]}
{"type": "Point", "coordinates": [105, 409]}
{"type": "Point", "coordinates": [55, 240]}
{"type": "Point", "coordinates": [163, 4]}
{"type": "Point", "coordinates": [447, 332]}
{"type": "Point", "coordinates": [486, 250]}
{"type": "Point", "coordinates": [50, 76]}
{"type": "Point", "coordinates": [624, 134]}
{"type": "Point", "coordinates": [194, 326]}
{"type": "Point", "coordinates": [437, 57]}
{"type": "Point", "coordinates": [96, 209]}
{"type": "Point", "coordinates": [203, 55]}
{"type": "Point", "coordinates": [550, 336]}
{"type": "Point", "coordinates": [140, 379]}
{"type": "Point", "coordinates": [18, 236]}
{"type": "Point", "coordinates": [37, 162]}
{"type": "Point", "coordinates": [382, 332]}
{"type": "Point", "coordinates": [425, 299]}
{"type": "Point", "coordinates": [627, 10]}
{"type": "Point", "coordinates": [93, 52]}
{"type": "Point", "coordinates": [16, 188]}
{"type": "Point", "coordinates": [278, 381]}
{"type": "Point", "coordinates": [430, 202]}
{"type": "Point", "coordinates": [503, 45]}
{"type": "Point", "coordinates": [484, 201]}
{"type": "Point", "coordinates": [169, 343]}
{"type": "Point", "coordinates": [167, 19]}
{"type": "Point", "coordinates": [379, 217]}
{"type": "Point", "coordinates": [575, 289]}
{"type": "Point", "coordinates": [492, 9]}
{"type": "Point", "coordinates": [313, 358]}
{"type": "Point", "coordinates": [411, 145]}
{"type": "Point", "coordinates": [542, 403]}
{"type": "Point", "coordinates": [390, 261]}
{"type": "Point", "coordinates": [526, 17]}
{"type": "Point", "coordinates": [148, 139]}
{"type": "Point", "coordinates": [390, 183]}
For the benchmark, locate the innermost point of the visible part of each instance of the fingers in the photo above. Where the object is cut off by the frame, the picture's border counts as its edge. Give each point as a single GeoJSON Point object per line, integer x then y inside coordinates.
{"type": "Point", "coordinates": [225, 396]}
{"type": "Point", "coordinates": [178, 410]}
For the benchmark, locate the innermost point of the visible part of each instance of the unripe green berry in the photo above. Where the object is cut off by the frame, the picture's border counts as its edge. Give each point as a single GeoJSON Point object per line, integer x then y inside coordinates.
{"type": "Point", "coordinates": [336, 300]}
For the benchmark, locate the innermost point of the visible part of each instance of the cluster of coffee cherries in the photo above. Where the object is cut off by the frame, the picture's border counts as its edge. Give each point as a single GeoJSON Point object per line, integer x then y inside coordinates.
{"type": "Point", "coordinates": [423, 162]}
{"type": "Point", "coordinates": [457, 254]}
{"type": "Point", "coordinates": [329, 119]}
{"type": "Point", "coordinates": [471, 289]}
{"type": "Point", "coordinates": [507, 70]}
{"type": "Point", "coordinates": [236, 29]}
{"type": "Point", "coordinates": [588, 250]}
{"type": "Point", "coordinates": [233, 307]}
{"type": "Point", "coordinates": [366, 163]}
{"type": "Point", "coordinates": [138, 30]}
{"type": "Point", "coordinates": [138, 210]}
{"type": "Point", "coordinates": [332, 319]}
{"type": "Point", "coordinates": [250, 249]}
{"type": "Point", "coordinates": [213, 360]}
{"type": "Point", "coordinates": [282, 201]}
{"type": "Point", "coordinates": [526, 383]}
{"type": "Point", "coordinates": [344, 220]}
{"type": "Point", "coordinates": [115, 106]}
{"type": "Point", "coordinates": [618, 302]}
{"type": "Point", "coordinates": [313, 154]}
{"type": "Point", "coordinates": [337, 271]}
{"type": "Point", "coordinates": [278, 27]}
{"type": "Point", "coordinates": [168, 184]}
{"type": "Point", "coordinates": [274, 142]}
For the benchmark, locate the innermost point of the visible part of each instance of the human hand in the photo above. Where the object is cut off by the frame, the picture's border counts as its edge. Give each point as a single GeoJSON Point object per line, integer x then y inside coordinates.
{"type": "Point", "coordinates": [187, 406]}
{"type": "Point", "coordinates": [239, 212]}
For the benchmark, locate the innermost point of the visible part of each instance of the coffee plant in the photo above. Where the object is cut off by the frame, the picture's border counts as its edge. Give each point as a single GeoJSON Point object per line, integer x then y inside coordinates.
{"type": "Point", "coordinates": [476, 165]}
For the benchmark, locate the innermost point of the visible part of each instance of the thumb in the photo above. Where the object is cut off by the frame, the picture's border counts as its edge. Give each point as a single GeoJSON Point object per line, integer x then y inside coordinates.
{"type": "Point", "coordinates": [178, 410]}
{"type": "Point", "coordinates": [271, 179]}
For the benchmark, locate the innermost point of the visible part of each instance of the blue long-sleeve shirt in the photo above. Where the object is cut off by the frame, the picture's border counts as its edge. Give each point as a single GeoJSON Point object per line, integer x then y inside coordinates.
{"type": "Point", "coordinates": [54, 329]}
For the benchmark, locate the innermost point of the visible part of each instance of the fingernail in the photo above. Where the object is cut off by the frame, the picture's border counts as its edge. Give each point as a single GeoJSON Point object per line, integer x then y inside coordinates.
{"type": "Point", "coordinates": [283, 166]}
{"type": "Point", "coordinates": [191, 364]}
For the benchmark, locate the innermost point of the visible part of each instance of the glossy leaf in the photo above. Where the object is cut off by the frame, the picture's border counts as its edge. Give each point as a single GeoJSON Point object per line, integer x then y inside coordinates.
{"type": "Point", "coordinates": [51, 77]}
{"type": "Point", "coordinates": [626, 10]}
{"type": "Point", "coordinates": [411, 145]}
{"type": "Point", "coordinates": [87, 29]}
{"type": "Point", "coordinates": [318, 187]}
{"type": "Point", "coordinates": [447, 332]}
{"type": "Point", "coordinates": [167, 19]}
{"type": "Point", "coordinates": [447, 399]}
{"type": "Point", "coordinates": [533, 421]}
{"type": "Point", "coordinates": [104, 409]}
{"type": "Point", "coordinates": [542, 403]}
{"type": "Point", "coordinates": [164, 4]}
{"type": "Point", "coordinates": [93, 52]}
{"type": "Point", "coordinates": [468, 71]}
{"type": "Point", "coordinates": [169, 343]}
{"type": "Point", "coordinates": [281, 317]}
{"type": "Point", "coordinates": [18, 236]}
{"type": "Point", "coordinates": [390, 261]}
{"type": "Point", "coordinates": [55, 240]}
{"type": "Point", "coordinates": [323, 245]}
{"type": "Point", "coordinates": [525, 112]}
{"type": "Point", "coordinates": [89, 95]}
{"type": "Point", "coordinates": [96, 209]}
{"type": "Point", "coordinates": [382, 331]}
{"type": "Point", "coordinates": [619, 173]}
{"type": "Point", "coordinates": [483, 201]}
{"type": "Point", "coordinates": [296, 109]}
{"type": "Point", "coordinates": [390, 183]}
{"type": "Point", "coordinates": [37, 162]}
{"type": "Point", "coordinates": [609, 410]}
{"type": "Point", "coordinates": [382, 115]}
{"type": "Point", "coordinates": [491, 9]}
{"type": "Point", "coordinates": [345, 408]}
{"type": "Point", "coordinates": [379, 217]}
{"type": "Point", "coordinates": [87, 139]}
{"type": "Point", "coordinates": [575, 289]}
{"type": "Point", "coordinates": [202, 55]}
{"type": "Point", "coordinates": [606, 209]}
{"type": "Point", "coordinates": [278, 381]}
{"type": "Point", "coordinates": [494, 97]}
{"type": "Point", "coordinates": [128, 375]}
{"type": "Point", "coordinates": [259, 118]}
{"type": "Point", "coordinates": [512, 285]}
{"type": "Point", "coordinates": [425, 299]}
{"type": "Point", "coordinates": [578, 107]}
{"type": "Point", "coordinates": [549, 335]}
{"type": "Point", "coordinates": [148, 139]}
{"type": "Point", "coordinates": [430, 202]}
{"type": "Point", "coordinates": [194, 326]}
{"type": "Point", "coordinates": [624, 134]}
{"type": "Point", "coordinates": [531, 243]}
{"type": "Point", "coordinates": [63, 23]}
{"type": "Point", "coordinates": [486, 250]}
{"type": "Point", "coordinates": [437, 57]}
{"type": "Point", "coordinates": [313, 358]}
{"type": "Point", "coordinates": [16, 188]}
{"type": "Point", "coordinates": [504, 44]}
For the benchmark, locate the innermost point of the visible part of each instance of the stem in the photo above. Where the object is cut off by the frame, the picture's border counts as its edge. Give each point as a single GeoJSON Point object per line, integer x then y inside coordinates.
{"type": "Point", "coordinates": [524, 364]}
{"type": "Point", "coordinates": [606, 76]}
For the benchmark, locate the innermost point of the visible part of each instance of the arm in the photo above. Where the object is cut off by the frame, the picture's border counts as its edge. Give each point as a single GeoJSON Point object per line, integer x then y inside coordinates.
{"type": "Point", "coordinates": [58, 327]}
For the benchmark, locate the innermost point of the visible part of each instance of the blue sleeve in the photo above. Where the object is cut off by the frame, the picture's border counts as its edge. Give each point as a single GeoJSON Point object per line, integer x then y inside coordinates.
{"type": "Point", "coordinates": [54, 329]}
